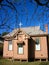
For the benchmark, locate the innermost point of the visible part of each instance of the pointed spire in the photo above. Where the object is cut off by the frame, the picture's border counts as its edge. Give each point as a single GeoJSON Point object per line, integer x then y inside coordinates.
{"type": "Point", "coordinates": [20, 24]}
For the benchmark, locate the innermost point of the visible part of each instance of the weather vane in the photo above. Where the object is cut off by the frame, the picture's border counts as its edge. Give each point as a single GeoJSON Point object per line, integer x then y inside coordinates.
{"type": "Point", "coordinates": [20, 24]}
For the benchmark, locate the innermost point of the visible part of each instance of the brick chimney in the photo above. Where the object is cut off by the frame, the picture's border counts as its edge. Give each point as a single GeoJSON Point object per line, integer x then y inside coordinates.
{"type": "Point", "coordinates": [46, 27]}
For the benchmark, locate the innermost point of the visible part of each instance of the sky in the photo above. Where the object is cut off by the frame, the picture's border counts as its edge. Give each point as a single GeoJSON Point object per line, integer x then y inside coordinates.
{"type": "Point", "coordinates": [28, 13]}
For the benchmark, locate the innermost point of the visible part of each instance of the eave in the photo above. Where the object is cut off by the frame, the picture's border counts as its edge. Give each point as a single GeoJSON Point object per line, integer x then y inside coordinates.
{"type": "Point", "coordinates": [39, 35]}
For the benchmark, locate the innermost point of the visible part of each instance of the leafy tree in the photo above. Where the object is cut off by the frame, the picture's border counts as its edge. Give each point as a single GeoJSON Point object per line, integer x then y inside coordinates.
{"type": "Point", "coordinates": [4, 33]}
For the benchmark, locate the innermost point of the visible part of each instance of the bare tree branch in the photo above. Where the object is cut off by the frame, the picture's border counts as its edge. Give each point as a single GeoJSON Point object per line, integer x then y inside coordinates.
{"type": "Point", "coordinates": [1, 1]}
{"type": "Point", "coordinates": [10, 3]}
{"type": "Point", "coordinates": [39, 3]}
{"type": "Point", "coordinates": [6, 5]}
{"type": "Point", "coordinates": [42, 4]}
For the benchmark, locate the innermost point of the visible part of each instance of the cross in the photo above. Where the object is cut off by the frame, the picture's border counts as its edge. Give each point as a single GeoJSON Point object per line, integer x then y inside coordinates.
{"type": "Point", "coordinates": [20, 24]}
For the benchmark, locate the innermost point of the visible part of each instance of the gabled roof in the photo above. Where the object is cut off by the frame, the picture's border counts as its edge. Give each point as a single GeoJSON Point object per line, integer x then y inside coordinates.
{"type": "Point", "coordinates": [29, 30]}
{"type": "Point", "coordinates": [21, 32]}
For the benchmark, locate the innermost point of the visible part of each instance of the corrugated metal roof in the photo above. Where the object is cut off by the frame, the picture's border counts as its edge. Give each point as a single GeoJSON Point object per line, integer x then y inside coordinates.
{"type": "Point", "coordinates": [29, 30]}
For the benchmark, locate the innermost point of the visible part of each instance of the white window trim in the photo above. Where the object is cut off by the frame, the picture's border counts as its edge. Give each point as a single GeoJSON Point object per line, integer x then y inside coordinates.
{"type": "Point", "coordinates": [20, 50]}
{"type": "Point", "coordinates": [10, 45]}
{"type": "Point", "coordinates": [37, 46]}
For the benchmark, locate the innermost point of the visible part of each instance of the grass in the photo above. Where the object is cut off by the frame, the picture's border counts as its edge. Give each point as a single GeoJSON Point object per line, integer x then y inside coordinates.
{"type": "Point", "coordinates": [9, 62]}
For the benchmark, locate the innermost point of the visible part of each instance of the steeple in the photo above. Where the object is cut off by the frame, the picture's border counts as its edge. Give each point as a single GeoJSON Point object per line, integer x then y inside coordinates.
{"type": "Point", "coordinates": [20, 24]}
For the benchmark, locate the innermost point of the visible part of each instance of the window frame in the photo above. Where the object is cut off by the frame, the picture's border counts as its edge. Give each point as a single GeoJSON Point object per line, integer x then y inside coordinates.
{"type": "Point", "coordinates": [37, 44]}
{"type": "Point", "coordinates": [18, 49]}
{"type": "Point", "coordinates": [10, 42]}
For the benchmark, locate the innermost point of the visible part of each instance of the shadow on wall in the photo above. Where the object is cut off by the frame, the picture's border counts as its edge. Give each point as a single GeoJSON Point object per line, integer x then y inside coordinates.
{"type": "Point", "coordinates": [1, 50]}
{"type": "Point", "coordinates": [31, 49]}
{"type": "Point", "coordinates": [48, 46]}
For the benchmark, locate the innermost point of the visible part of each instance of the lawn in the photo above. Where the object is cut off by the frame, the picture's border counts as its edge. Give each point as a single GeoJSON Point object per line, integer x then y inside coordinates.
{"type": "Point", "coordinates": [9, 62]}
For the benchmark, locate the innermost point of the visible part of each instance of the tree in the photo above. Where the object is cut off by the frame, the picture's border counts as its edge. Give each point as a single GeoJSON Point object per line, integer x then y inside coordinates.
{"type": "Point", "coordinates": [4, 33]}
{"type": "Point", "coordinates": [11, 5]}
{"type": "Point", "coordinates": [43, 3]}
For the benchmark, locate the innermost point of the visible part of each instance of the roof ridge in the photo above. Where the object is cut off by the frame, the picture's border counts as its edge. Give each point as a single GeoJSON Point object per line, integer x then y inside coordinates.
{"type": "Point", "coordinates": [32, 30]}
